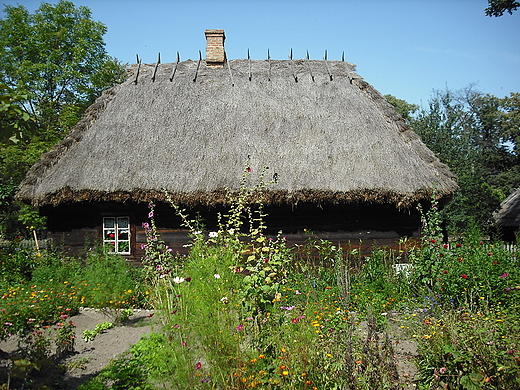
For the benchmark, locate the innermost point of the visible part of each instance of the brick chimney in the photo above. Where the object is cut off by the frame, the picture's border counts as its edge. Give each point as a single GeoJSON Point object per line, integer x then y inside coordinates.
{"type": "Point", "coordinates": [215, 54]}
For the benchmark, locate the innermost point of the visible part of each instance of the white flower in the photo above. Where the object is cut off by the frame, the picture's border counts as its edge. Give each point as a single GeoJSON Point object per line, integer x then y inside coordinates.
{"type": "Point", "coordinates": [231, 231]}
{"type": "Point", "coordinates": [217, 276]}
{"type": "Point", "coordinates": [178, 279]}
{"type": "Point", "coordinates": [213, 234]}
{"type": "Point", "coordinates": [197, 233]}
{"type": "Point", "coordinates": [224, 300]}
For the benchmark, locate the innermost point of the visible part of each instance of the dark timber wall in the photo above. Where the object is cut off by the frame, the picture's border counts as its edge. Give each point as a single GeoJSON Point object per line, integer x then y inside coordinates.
{"type": "Point", "coordinates": [77, 226]}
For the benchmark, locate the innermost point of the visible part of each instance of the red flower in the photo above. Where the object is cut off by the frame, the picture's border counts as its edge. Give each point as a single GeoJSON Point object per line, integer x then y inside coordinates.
{"type": "Point", "coordinates": [495, 262]}
{"type": "Point", "coordinates": [433, 241]}
{"type": "Point", "coordinates": [444, 272]}
{"type": "Point", "coordinates": [464, 276]}
{"type": "Point", "coordinates": [458, 245]}
{"type": "Point", "coordinates": [446, 246]}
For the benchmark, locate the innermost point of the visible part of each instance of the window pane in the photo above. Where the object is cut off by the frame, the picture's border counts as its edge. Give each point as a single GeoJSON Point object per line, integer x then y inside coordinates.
{"type": "Point", "coordinates": [124, 247]}
{"type": "Point", "coordinates": [123, 222]}
{"type": "Point", "coordinates": [109, 234]}
{"type": "Point", "coordinates": [123, 235]}
{"type": "Point", "coordinates": [109, 222]}
{"type": "Point", "coordinates": [110, 246]}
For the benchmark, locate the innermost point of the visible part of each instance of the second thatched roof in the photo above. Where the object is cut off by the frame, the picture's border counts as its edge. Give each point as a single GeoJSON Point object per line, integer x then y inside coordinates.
{"type": "Point", "coordinates": [325, 133]}
{"type": "Point", "coordinates": [509, 213]}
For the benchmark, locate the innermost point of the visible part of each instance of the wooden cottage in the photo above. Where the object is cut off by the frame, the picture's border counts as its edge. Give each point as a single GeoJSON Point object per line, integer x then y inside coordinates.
{"type": "Point", "coordinates": [508, 216]}
{"type": "Point", "coordinates": [347, 166]}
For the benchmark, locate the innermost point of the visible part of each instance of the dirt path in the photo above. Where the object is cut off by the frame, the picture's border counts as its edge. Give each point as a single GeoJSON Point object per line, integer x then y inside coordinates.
{"type": "Point", "coordinates": [91, 357]}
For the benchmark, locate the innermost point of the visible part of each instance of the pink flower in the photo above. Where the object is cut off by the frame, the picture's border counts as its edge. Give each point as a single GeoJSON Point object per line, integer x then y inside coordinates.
{"type": "Point", "coordinates": [199, 365]}
{"type": "Point", "coordinates": [504, 275]}
{"type": "Point", "coordinates": [442, 370]}
{"type": "Point", "coordinates": [240, 327]}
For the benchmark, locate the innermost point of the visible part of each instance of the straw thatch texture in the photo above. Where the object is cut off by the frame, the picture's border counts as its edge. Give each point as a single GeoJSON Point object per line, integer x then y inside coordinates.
{"type": "Point", "coordinates": [327, 140]}
{"type": "Point", "coordinates": [509, 213]}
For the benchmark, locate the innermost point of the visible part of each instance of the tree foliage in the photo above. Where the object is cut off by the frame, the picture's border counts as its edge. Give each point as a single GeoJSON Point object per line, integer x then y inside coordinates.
{"type": "Point", "coordinates": [477, 136]}
{"type": "Point", "coordinates": [57, 58]}
{"type": "Point", "coordinates": [498, 7]}
{"type": "Point", "coordinates": [15, 123]}
{"type": "Point", "coordinates": [53, 65]}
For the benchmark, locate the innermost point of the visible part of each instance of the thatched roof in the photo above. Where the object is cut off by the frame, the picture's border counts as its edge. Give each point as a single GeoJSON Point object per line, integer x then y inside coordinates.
{"type": "Point", "coordinates": [509, 213]}
{"type": "Point", "coordinates": [331, 139]}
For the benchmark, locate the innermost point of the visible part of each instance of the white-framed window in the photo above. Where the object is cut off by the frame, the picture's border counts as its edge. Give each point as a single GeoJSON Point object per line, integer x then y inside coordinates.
{"type": "Point", "coordinates": [116, 234]}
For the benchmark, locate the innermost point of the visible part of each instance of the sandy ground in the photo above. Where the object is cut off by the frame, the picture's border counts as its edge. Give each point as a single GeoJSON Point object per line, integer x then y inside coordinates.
{"type": "Point", "coordinates": [91, 357]}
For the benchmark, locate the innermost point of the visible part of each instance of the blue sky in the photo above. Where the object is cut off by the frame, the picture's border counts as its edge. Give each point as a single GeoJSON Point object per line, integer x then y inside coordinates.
{"type": "Point", "coordinates": [406, 48]}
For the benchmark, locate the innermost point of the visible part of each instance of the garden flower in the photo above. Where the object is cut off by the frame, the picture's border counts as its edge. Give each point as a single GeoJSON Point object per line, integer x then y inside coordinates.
{"type": "Point", "coordinates": [217, 276]}
{"type": "Point", "coordinates": [504, 275]}
{"type": "Point", "coordinates": [213, 234]}
{"type": "Point", "coordinates": [224, 300]}
{"type": "Point", "coordinates": [464, 276]}
{"type": "Point", "coordinates": [178, 279]}
{"type": "Point", "coordinates": [199, 365]}
{"type": "Point", "coordinates": [287, 307]}
{"type": "Point", "coordinates": [442, 370]}
{"type": "Point", "coordinates": [240, 327]}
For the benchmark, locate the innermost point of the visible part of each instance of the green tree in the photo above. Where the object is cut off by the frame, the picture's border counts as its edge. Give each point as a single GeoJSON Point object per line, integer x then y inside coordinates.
{"type": "Point", "coordinates": [53, 65]}
{"type": "Point", "coordinates": [476, 135]}
{"type": "Point", "coordinates": [405, 109]}
{"type": "Point", "coordinates": [57, 58]}
{"type": "Point", "coordinates": [15, 123]}
{"type": "Point", "coordinates": [498, 7]}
